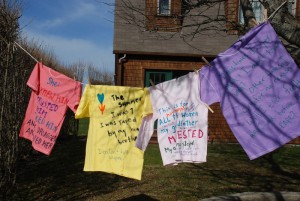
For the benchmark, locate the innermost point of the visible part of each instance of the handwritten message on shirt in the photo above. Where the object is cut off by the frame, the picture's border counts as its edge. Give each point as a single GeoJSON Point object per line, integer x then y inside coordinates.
{"type": "Point", "coordinates": [179, 124]}
{"type": "Point", "coordinates": [258, 85]}
{"type": "Point", "coordinates": [122, 127]}
{"type": "Point", "coordinates": [267, 90]}
{"type": "Point", "coordinates": [41, 124]}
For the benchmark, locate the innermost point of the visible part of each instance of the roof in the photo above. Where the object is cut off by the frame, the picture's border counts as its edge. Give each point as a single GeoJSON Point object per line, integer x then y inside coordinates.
{"type": "Point", "coordinates": [131, 38]}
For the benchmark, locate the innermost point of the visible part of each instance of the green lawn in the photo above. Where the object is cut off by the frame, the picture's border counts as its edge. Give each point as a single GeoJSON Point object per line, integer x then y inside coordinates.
{"type": "Point", "coordinates": [83, 126]}
{"type": "Point", "coordinates": [228, 170]}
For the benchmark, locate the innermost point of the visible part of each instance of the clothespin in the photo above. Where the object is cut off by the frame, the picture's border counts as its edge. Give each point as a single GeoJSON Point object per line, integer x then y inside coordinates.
{"type": "Point", "coordinates": [74, 76]}
{"type": "Point", "coordinates": [196, 71]}
{"type": "Point", "coordinates": [152, 83]}
{"type": "Point", "coordinates": [14, 47]}
{"type": "Point", "coordinates": [206, 61]}
{"type": "Point", "coordinates": [254, 21]}
{"type": "Point", "coordinates": [209, 108]}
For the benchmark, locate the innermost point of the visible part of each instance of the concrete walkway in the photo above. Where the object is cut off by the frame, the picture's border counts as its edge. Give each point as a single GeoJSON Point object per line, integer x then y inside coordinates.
{"type": "Point", "coordinates": [258, 196]}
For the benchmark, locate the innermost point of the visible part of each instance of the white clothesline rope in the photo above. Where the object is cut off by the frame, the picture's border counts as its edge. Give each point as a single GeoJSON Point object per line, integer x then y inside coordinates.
{"type": "Point", "coordinates": [276, 10]}
{"type": "Point", "coordinates": [26, 51]}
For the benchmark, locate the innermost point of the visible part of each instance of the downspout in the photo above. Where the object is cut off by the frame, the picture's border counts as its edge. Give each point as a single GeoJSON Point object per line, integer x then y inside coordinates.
{"type": "Point", "coordinates": [120, 71]}
{"type": "Point", "coordinates": [120, 60]}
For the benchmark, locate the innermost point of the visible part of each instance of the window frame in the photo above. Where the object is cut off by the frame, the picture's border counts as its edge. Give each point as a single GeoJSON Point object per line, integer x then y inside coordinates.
{"type": "Point", "coordinates": [292, 7]}
{"type": "Point", "coordinates": [167, 73]}
{"type": "Point", "coordinates": [160, 11]}
{"type": "Point", "coordinates": [261, 16]}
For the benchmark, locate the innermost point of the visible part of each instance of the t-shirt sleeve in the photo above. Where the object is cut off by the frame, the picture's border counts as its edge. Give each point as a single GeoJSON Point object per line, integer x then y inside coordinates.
{"type": "Point", "coordinates": [145, 132]}
{"type": "Point", "coordinates": [34, 79]}
{"type": "Point", "coordinates": [147, 108]}
{"type": "Point", "coordinates": [75, 99]}
{"type": "Point", "coordinates": [208, 86]}
{"type": "Point", "coordinates": [83, 108]}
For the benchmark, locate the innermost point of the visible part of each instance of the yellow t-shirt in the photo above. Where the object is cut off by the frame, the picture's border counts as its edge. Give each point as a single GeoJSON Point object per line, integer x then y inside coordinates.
{"type": "Point", "coordinates": [115, 116]}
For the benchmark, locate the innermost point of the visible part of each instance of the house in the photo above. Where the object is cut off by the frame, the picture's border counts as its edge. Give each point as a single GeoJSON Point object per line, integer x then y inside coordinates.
{"type": "Point", "coordinates": [157, 40]}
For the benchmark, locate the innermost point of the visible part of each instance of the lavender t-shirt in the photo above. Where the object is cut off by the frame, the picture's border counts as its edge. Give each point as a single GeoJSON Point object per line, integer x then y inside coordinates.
{"type": "Point", "coordinates": [257, 84]}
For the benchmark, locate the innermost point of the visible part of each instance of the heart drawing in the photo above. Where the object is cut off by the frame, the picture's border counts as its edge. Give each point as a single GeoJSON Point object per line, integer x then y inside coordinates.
{"type": "Point", "coordinates": [100, 97]}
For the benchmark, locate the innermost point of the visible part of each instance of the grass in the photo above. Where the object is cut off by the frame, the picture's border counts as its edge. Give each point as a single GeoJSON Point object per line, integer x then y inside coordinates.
{"type": "Point", "coordinates": [83, 126]}
{"type": "Point", "coordinates": [228, 170]}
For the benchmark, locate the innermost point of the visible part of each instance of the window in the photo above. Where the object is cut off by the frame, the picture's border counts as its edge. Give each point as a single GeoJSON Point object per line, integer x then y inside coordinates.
{"type": "Point", "coordinates": [292, 6]}
{"type": "Point", "coordinates": [157, 77]}
{"type": "Point", "coordinates": [258, 10]}
{"type": "Point", "coordinates": [164, 7]}
{"type": "Point", "coordinates": [163, 15]}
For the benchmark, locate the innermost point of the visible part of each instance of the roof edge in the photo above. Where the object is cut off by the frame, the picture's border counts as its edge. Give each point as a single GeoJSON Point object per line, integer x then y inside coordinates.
{"type": "Point", "coordinates": [161, 54]}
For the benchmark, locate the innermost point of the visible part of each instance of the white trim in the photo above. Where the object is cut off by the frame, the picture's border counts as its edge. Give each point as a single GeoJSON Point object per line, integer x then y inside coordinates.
{"type": "Point", "coordinates": [259, 16]}
{"type": "Point", "coordinates": [292, 6]}
{"type": "Point", "coordinates": [168, 11]}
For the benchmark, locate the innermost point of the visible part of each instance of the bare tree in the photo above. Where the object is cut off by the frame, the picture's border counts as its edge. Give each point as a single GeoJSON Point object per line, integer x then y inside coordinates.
{"type": "Point", "coordinates": [286, 26]}
{"type": "Point", "coordinates": [9, 111]}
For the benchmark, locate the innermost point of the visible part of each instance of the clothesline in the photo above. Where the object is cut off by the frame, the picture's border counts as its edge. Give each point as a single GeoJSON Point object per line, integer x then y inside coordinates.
{"type": "Point", "coordinates": [252, 106]}
{"type": "Point", "coordinates": [26, 51]}
{"type": "Point", "coordinates": [207, 106]}
{"type": "Point", "coordinates": [36, 59]}
{"type": "Point", "coordinates": [276, 11]}
{"type": "Point", "coordinates": [203, 58]}
{"type": "Point", "coordinates": [89, 81]}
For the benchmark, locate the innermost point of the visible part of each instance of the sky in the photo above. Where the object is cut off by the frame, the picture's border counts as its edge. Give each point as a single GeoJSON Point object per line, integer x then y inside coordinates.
{"type": "Point", "coordinates": [74, 30]}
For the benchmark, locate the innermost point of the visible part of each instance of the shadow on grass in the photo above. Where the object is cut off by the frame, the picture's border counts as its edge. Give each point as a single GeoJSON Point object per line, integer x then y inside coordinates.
{"type": "Point", "coordinates": [278, 169]}
{"type": "Point", "coordinates": [60, 176]}
{"type": "Point", "coordinates": [138, 198]}
{"type": "Point", "coordinates": [227, 170]}
{"type": "Point", "coordinates": [231, 168]}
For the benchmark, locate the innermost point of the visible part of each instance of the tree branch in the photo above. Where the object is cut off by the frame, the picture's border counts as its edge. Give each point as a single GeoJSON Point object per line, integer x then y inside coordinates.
{"type": "Point", "coordinates": [285, 24]}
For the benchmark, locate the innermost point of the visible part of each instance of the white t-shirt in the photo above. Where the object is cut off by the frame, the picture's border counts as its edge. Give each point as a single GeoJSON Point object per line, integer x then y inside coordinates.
{"type": "Point", "coordinates": [181, 121]}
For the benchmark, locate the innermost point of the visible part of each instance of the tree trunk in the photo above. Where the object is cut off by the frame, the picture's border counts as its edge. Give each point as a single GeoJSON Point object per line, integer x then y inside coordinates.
{"type": "Point", "coordinates": [9, 105]}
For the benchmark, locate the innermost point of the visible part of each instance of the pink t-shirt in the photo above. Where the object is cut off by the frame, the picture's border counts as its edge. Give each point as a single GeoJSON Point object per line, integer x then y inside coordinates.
{"type": "Point", "coordinates": [52, 92]}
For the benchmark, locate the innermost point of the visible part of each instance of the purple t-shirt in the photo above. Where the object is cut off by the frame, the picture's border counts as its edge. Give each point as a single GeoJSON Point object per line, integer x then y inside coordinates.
{"type": "Point", "coordinates": [257, 84]}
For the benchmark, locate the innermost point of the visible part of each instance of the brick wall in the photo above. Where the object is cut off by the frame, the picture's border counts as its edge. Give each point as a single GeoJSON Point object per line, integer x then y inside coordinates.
{"type": "Point", "coordinates": [231, 12]}
{"type": "Point", "coordinates": [164, 23]}
{"type": "Point", "coordinates": [218, 129]}
{"type": "Point", "coordinates": [134, 69]}
{"type": "Point", "coordinates": [297, 15]}
{"type": "Point", "coordinates": [133, 74]}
